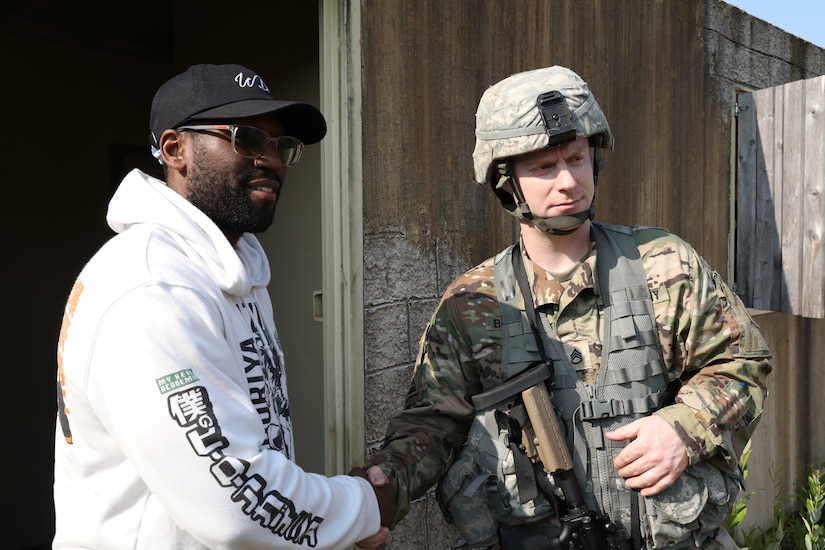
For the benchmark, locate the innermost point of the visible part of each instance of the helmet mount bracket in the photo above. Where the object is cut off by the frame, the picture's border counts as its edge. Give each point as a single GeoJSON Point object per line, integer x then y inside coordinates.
{"type": "Point", "coordinates": [555, 114]}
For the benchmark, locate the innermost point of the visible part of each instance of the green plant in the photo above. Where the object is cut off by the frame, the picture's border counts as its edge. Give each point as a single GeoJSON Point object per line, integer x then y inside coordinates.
{"type": "Point", "coordinates": [814, 537]}
{"type": "Point", "coordinates": [772, 538]}
{"type": "Point", "coordinates": [736, 513]}
{"type": "Point", "coordinates": [800, 529]}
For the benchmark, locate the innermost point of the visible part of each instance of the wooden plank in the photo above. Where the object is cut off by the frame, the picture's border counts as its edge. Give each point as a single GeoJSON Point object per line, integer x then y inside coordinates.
{"type": "Point", "coordinates": [763, 195]}
{"type": "Point", "coordinates": [746, 158]}
{"type": "Point", "coordinates": [773, 193]}
{"type": "Point", "coordinates": [791, 189]}
{"type": "Point", "coordinates": [767, 278]}
{"type": "Point", "coordinates": [768, 284]}
{"type": "Point", "coordinates": [813, 202]}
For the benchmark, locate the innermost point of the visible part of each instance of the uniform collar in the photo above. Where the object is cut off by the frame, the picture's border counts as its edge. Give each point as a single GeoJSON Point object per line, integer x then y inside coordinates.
{"type": "Point", "coordinates": [548, 290]}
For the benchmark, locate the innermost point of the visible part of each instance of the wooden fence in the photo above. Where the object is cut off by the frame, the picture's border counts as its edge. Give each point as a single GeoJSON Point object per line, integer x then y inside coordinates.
{"type": "Point", "coordinates": [780, 253]}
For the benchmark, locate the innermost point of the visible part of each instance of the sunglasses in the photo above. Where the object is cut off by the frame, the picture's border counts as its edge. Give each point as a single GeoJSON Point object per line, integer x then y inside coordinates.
{"type": "Point", "coordinates": [252, 143]}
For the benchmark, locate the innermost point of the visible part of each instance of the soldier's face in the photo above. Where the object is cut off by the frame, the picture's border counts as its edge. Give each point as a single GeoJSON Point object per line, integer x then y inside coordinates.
{"type": "Point", "coordinates": [557, 181]}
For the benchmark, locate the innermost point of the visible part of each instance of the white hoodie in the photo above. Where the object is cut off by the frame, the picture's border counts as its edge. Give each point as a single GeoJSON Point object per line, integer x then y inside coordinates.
{"type": "Point", "coordinates": [176, 428]}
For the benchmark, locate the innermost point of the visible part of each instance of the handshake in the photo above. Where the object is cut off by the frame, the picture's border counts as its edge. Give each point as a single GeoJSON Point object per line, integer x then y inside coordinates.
{"type": "Point", "coordinates": [387, 495]}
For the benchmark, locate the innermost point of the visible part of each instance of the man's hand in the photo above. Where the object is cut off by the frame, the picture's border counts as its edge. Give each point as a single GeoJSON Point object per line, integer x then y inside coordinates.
{"type": "Point", "coordinates": [385, 492]}
{"type": "Point", "coordinates": [376, 540]}
{"type": "Point", "coordinates": [654, 459]}
{"type": "Point", "coordinates": [387, 496]}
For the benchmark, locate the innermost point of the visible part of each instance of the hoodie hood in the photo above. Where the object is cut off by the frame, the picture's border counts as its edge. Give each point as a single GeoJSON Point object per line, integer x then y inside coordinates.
{"type": "Point", "coordinates": [142, 199]}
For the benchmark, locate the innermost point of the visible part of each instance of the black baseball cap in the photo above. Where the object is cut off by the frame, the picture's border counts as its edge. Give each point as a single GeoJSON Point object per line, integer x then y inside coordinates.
{"type": "Point", "coordinates": [228, 92]}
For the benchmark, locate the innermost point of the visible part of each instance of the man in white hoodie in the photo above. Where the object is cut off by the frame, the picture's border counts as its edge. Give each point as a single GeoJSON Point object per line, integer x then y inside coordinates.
{"type": "Point", "coordinates": [174, 426]}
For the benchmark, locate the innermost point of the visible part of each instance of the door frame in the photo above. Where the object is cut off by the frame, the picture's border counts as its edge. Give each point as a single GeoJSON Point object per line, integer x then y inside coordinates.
{"type": "Point", "coordinates": [342, 230]}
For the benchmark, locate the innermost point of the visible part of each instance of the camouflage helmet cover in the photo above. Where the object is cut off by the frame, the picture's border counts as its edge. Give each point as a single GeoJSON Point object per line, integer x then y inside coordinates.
{"type": "Point", "coordinates": [508, 121]}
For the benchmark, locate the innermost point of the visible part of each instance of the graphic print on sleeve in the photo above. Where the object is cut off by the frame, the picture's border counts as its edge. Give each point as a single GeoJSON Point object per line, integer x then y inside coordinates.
{"type": "Point", "coordinates": [192, 410]}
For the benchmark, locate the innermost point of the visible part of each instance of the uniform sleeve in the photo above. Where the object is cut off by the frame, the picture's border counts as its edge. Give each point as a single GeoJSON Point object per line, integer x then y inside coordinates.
{"type": "Point", "coordinates": [720, 358]}
{"type": "Point", "coordinates": [170, 391]}
{"type": "Point", "coordinates": [422, 440]}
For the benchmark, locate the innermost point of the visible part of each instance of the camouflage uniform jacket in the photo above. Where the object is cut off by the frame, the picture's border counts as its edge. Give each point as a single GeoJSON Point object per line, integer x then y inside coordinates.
{"type": "Point", "coordinates": [708, 340]}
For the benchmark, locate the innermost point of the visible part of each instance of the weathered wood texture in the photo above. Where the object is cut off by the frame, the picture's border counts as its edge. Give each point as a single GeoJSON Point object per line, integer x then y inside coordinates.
{"type": "Point", "coordinates": [426, 65]}
{"type": "Point", "coordinates": [780, 254]}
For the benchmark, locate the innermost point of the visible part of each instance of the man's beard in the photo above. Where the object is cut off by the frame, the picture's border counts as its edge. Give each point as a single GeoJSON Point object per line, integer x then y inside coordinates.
{"type": "Point", "coordinates": [224, 198]}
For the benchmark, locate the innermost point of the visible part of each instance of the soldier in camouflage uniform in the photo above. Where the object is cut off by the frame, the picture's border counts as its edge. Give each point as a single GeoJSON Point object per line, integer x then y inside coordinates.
{"type": "Point", "coordinates": [680, 459]}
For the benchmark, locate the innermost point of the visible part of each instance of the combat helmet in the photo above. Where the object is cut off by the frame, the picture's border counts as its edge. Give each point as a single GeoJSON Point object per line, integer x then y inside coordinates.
{"type": "Point", "coordinates": [529, 111]}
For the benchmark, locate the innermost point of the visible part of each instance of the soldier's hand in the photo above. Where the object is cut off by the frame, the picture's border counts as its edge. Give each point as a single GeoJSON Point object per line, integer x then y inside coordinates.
{"type": "Point", "coordinates": [375, 540]}
{"type": "Point", "coordinates": [654, 459]}
{"type": "Point", "coordinates": [385, 492]}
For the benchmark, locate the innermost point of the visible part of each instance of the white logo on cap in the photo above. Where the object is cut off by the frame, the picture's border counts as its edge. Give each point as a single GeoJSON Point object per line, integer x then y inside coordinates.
{"type": "Point", "coordinates": [249, 82]}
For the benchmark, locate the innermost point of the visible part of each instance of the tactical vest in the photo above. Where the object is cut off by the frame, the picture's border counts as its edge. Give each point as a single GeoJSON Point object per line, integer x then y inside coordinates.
{"type": "Point", "coordinates": [631, 383]}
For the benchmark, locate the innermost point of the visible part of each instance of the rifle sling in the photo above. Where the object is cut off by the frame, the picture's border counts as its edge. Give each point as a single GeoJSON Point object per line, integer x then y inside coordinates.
{"type": "Point", "coordinates": [532, 376]}
{"type": "Point", "coordinates": [527, 296]}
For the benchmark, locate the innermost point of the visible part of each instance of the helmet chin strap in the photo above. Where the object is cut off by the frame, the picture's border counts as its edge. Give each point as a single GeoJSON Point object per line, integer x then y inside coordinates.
{"type": "Point", "coordinates": [556, 225]}
{"type": "Point", "coordinates": [560, 225]}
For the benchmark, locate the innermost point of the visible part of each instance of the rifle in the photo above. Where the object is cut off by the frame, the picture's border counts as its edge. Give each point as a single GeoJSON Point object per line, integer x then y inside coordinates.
{"type": "Point", "coordinates": [582, 528]}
